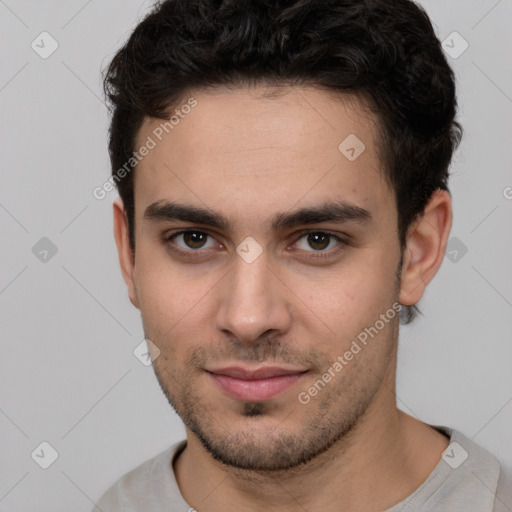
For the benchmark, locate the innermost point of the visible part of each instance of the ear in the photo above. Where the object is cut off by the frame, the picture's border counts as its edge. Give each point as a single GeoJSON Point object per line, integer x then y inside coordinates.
{"type": "Point", "coordinates": [126, 256]}
{"type": "Point", "coordinates": [425, 247]}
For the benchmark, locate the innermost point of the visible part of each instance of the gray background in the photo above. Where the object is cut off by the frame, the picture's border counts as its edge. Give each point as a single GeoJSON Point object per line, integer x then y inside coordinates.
{"type": "Point", "coordinates": [68, 373]}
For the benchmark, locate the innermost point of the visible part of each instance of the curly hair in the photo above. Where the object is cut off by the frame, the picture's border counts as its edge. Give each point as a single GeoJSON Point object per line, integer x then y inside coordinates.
{"type": "Point", "coordinates": [386, 52]}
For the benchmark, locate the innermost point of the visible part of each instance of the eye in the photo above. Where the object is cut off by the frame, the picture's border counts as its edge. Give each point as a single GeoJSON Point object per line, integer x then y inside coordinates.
{"type": "Point", "coordinates": [319, 241]}
{"type": "Point", "coordinates": [191, 240]}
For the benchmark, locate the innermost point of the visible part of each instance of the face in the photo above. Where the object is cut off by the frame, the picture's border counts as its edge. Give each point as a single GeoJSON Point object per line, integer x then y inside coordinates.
{"type": "Point", "coordinates": [263, 253]}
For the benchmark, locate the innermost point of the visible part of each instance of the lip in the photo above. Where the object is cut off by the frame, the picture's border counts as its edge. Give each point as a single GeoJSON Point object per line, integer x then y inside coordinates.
{"type": "Point", "coordinates": [255, 385]}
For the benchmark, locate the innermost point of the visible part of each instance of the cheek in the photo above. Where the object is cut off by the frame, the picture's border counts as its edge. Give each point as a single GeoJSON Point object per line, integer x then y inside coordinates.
{"type": "Point", "coordinates": [345, 303]}
{"type": "Point", "coordinates": [355, 291]}
{"type": "Point", "coordinates": [173, 302]}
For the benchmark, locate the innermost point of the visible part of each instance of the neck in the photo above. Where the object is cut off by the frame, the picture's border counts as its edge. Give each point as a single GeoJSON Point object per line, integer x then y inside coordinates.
{"type": "Point", "coordinates": [380, 462]}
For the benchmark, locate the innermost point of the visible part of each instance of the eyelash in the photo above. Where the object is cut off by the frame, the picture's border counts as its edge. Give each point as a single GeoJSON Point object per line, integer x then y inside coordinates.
{"type": "Point", "coordinates": [168, 241]}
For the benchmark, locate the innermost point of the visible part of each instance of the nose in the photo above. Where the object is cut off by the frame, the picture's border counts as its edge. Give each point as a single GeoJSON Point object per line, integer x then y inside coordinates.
{"type": "Point", "coordinates": [254, 302]}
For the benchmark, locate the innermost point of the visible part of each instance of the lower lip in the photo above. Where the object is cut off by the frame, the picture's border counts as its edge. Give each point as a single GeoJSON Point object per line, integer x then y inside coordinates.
{"type": "Point", "coordinates": [255, 390]}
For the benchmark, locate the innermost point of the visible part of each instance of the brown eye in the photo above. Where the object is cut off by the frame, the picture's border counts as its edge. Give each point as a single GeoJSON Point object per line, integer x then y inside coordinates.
{"type": "Point", "coordinates": [191, 240]}
{"type": "Point", "coordinates": [320, 244]}
{"type": "Point", "coordinates": [194, 239]}
{"type": "Point", "coordinates": [318, 241]}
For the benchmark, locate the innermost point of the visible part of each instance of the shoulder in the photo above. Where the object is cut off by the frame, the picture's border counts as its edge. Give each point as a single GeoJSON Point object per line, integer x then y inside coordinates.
{"type": "Point", "coordinates": [464, 453]}
{"type": "Point", "coordinates": [132, 492]}
{"type": "Point", "coordinates": [466, 478]}
{"type": "Point", "coordinates": [471, 474]}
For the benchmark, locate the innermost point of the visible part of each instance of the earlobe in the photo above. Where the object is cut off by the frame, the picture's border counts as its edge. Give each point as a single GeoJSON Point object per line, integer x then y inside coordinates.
{"type": "Point", "coordinates": [126, 256]}
{"type": "Point", "coordinates": [426, 245]}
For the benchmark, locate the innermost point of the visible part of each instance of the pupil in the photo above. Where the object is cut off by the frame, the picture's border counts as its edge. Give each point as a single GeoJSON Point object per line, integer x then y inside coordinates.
{"type": "Point", "coordinates": [318, 239]}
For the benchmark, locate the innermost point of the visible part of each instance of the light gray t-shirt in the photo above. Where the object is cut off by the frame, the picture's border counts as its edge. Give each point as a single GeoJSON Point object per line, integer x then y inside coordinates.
{"type": "Point", "coordinates": [464, 480]}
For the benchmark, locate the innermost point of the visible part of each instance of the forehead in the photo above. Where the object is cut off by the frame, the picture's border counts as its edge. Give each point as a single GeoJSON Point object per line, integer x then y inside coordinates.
{"type": "Point", "coordinates": [247, 148]}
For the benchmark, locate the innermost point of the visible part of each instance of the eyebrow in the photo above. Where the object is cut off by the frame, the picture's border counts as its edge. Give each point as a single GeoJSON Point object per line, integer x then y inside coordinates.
{"type": "Point", "coordinates": [338, 212]}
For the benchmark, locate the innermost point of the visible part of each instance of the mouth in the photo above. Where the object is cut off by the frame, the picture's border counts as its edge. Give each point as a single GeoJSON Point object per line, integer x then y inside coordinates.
{"type": "Point", "coordinates": [255, 385]}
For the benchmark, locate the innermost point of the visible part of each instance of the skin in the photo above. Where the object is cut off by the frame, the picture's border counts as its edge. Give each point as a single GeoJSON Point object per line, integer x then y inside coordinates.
{"type": "Point", "coordinates": [248, 154]}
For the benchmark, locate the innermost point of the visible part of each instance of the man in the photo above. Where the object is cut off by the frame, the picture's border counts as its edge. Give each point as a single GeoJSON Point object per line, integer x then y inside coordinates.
{"type": "Point", "coordinates": [282, 169]}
